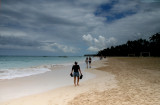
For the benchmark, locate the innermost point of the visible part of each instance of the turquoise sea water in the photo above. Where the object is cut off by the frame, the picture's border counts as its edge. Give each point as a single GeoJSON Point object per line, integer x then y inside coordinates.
{"type": "Point", "coordinates": [10, 62]}
{"type": "Point", "coordinates": [20, 66]}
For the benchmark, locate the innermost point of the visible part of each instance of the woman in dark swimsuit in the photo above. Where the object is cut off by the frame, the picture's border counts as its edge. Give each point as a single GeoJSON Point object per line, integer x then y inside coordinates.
{"type": "Point", "coordinates": [76, 70]}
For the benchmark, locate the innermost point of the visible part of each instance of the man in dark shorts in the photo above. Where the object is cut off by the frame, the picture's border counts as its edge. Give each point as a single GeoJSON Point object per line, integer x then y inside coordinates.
{"type": "Point", "coordinates": [76, 70]}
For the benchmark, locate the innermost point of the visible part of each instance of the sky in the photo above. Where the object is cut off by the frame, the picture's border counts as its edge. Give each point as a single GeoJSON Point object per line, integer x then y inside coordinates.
{"type": "Point", "coordinates": [74, 27]}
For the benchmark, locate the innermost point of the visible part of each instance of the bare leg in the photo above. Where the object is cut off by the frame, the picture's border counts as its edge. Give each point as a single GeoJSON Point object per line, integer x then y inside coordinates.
{"type": "Point", "coordinates": [87, 65]}
{"type": "Point", "coordinates": [75, 81]}
{"type": "Point", "coordinates": [78, 81]}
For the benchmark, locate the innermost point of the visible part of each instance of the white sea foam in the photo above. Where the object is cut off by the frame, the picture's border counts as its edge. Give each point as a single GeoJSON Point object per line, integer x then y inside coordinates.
{"type": "Point", "coordinates": [23, 72]}
{"type": "Point", "coordinates": [15, 73]}
{"type": "Point", "coordinates": [14, 67]}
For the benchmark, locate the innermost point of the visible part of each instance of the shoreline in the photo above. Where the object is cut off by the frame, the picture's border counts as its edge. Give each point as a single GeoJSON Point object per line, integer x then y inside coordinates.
{"type": "Point", "coordinates": [32, 66]}
{"type": "Point", "coordinates": [118, 81]}
{"type": "Point", "coordinates": [90, 83]}
{"type": "Point", "coordinates": [39, 83]}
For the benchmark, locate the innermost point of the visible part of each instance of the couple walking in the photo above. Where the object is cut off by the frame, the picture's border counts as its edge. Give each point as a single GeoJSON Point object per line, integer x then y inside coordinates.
{"type": "Point", "coordinates": [88, 61]}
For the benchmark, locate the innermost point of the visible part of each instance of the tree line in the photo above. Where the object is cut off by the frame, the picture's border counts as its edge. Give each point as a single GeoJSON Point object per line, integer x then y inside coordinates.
{"type": "Point", "coordinates": [135, 48]}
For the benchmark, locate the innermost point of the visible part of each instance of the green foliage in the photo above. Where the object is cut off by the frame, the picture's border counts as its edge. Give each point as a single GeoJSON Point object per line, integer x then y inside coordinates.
{"type": "Point", "coordinates": [134, 47]}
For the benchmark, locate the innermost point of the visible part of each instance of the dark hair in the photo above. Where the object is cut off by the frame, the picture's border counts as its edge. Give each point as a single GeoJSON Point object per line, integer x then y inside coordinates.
{"type": "Point", "coordinates": [75, 62]}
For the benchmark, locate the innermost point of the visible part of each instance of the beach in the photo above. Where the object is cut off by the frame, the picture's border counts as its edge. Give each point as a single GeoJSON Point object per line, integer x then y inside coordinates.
{"type": "Point", "coordinates": [117, 81]}
{"type": "Point", "coordinates": [138, 83]}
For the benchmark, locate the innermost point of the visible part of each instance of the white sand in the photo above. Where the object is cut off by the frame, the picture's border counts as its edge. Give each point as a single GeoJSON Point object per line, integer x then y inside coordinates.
{"type": "Point", "coordinates": [18, 87]}
{"type": "Point", "coordinates": [60, 96]}
{"type": "Point", "coordinates": [118, 81]}
{"type": "Point", "coordinates": [138, 83]}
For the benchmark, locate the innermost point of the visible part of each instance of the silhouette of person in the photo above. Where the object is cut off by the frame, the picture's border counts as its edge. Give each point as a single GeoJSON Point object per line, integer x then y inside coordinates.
{"type": "Point", "coordinates": [76, 69]}
{"type": "Point", "coordinates": [101, 57]}
{"type": "Point", "coordinates": [90, 60]}
{"type": "Point", "coordinates": [86, 62]}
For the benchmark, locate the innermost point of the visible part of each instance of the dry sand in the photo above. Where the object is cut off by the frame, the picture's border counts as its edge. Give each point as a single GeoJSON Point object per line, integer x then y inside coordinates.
{"type": "Point", "coordinates": [138, 84]}
{"type": "Point", "coordinates": [119, 81]}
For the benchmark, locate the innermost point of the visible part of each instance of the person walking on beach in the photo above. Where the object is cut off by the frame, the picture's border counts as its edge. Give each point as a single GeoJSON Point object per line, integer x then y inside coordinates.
{"type": "Point", "coordinates": [77, 70]}
{"type": "Point", "coordinates": [86, 62]}
{"type": "Point", "coordinates": [90, 60]}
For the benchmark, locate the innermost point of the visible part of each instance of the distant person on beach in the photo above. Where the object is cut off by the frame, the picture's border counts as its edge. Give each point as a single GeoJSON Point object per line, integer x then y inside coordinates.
{"type": "Point", "coordinates": [90, 60]}
{"type": "Point", "coordinates": [101, 57]}
{"type": "Point", "coordinates": [77, 70]}
{"type": "Point", "coordinates": [86, 62]}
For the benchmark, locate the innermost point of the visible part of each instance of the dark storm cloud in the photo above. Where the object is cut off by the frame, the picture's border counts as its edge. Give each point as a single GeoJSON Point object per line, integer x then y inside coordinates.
{"type": "Point", "coordinates": [32, 24]}
{"type": "Point", "coordinates": [46, 19]}
{"type": "Point", "coordinates": [11, 40]}
{"type": "Point", "coordinates": [29, 16]}
{"type": "Point", "coordinates": [14, 1]}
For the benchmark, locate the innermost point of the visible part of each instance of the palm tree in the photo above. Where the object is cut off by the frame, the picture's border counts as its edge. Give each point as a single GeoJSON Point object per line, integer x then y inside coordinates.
{"type": "Point", "coordinates": [155, 44]}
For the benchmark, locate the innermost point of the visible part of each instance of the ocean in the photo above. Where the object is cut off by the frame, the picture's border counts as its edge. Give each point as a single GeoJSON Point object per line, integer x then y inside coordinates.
{"type": "Point", "coordinates": [21, 66]}
{"type": "Point", "coordinates": [26, 75]}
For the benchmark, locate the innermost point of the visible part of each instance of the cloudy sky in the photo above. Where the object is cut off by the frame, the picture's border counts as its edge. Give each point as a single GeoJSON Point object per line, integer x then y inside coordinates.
{"type": "Point", "coordinates": [74, 27]}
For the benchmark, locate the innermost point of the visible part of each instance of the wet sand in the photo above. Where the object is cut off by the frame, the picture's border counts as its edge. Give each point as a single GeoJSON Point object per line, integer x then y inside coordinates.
{"type": "Point", "coordinates": [34, 84]}
{"type": "Point", "coordinates": [118, 81]}
{"type": "Point", "coordinates": [62, 95]}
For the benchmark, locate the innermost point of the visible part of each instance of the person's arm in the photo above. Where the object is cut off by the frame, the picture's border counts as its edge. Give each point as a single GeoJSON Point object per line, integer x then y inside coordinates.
{"type": "Point", "coordinates": [80, 70]}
